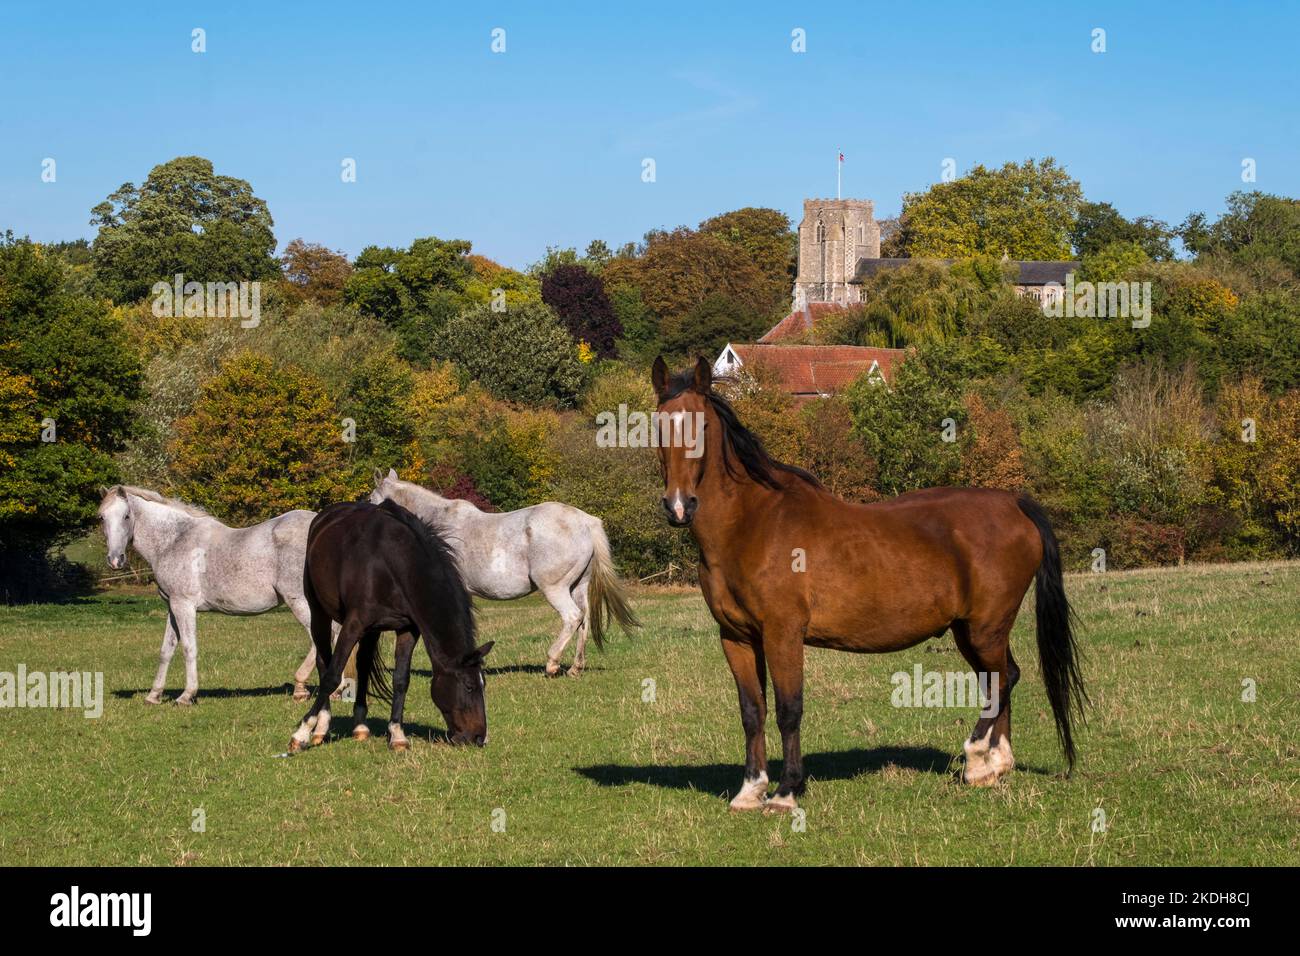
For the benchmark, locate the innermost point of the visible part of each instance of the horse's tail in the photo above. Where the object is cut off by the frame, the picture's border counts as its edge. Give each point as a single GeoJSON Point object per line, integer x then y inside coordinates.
{"type": "Point", "coordinates": [370, 658]}
{"type": "Point", "coordinates": [1057, 652]}
{"type": "Point", "coordinates": [605, 595]}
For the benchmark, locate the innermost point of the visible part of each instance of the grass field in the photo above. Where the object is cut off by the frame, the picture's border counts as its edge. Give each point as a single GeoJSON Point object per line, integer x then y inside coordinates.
{"type": "Point", "coordinates": [584, 771]}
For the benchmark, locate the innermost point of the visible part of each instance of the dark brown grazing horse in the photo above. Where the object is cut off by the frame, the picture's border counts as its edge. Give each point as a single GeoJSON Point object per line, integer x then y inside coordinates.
{"type": "Point", "coordinates": [375, 568]}
{"type": "Point", "coordinates": [784, 563]}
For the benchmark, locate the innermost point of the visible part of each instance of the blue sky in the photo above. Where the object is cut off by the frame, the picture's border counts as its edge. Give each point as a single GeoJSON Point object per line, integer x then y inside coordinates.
{"type": "Point", "coordinates": [543, 144]}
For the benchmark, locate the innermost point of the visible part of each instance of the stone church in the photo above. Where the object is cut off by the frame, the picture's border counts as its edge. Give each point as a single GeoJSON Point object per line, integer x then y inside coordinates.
{"type": "Point", "coordinates": [839, 247]}
{"type": "Point", "coordinates": [834, 236]}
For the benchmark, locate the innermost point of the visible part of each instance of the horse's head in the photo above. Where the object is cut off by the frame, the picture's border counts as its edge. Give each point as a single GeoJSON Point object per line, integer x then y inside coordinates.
{"type": "Point", "coordinates": [115, 516]}
{"type": "Point", "coordinates": [683, 401]}
{"type": "Point", "coordinates": [385, 486]}
{"type": "Point", "coordinates": [458, 693]}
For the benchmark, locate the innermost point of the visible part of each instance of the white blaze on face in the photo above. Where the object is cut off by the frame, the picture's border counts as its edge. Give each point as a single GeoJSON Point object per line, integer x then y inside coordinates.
{"type": "Point", "coordinates": [677, 501]}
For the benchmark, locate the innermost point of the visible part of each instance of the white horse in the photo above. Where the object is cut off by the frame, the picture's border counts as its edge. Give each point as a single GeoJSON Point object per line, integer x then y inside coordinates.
{"type": "Point", "coordinates": [201, 564]}
{"type": "Point", "coordinates": [553, 548]}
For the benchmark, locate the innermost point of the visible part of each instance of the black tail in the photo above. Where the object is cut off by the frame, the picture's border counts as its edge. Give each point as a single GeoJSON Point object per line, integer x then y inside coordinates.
{"type": "Point", "coordinates": [1057, 652]}
{"type": "Point", "coordinates": [371, 661]}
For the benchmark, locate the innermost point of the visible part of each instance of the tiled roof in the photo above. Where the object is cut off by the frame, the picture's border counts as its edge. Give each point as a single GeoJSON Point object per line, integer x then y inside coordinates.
{"type": "Point", "coordinates": [799, 321]}
{"type": "Point", "coordinates": [818, 369]}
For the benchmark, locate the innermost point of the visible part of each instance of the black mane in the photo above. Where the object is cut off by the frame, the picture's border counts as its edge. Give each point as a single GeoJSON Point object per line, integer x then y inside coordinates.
{"type": "Point", "coordinates": [738, 441]}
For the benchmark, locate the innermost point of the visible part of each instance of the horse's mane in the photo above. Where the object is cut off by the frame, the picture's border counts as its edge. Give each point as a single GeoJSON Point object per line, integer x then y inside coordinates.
{"type": "Point", "coordinates": [194, 511]}
{"type": "Point", "coordinates": [435, 544]}
{"type": "Point", "coordinates": [738, 441]}
{"type": "Point", "coordinates": [441, 575]}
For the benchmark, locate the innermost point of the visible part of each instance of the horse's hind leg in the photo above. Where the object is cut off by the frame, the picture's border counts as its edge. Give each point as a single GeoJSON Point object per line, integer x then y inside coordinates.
{"type": "Point", "coordinates": [315, 725]}
{"type": "Point", "coordinates": [401, 681]}
{"type": "Point", "coordinates": [581, 597]}
{"type": "Point", "coordinates": [987, 649]}
{"type": "Point", "coordinates": [570, 617]}
{"type": "Point", "coordinates": [366, 651]}
{"type": "Point", "coordinates": [184, 618]}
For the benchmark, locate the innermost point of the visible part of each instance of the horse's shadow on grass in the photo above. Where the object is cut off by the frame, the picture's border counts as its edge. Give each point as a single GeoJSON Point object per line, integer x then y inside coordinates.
{"type": "Point", "coordinates": [510, 669]}
{"type": "Point", "coordinates": [724, 778]}
{"type": "Point", "coordinates": [216, 693]}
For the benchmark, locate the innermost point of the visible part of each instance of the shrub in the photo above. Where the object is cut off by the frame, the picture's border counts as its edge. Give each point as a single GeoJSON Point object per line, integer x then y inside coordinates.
{"type": "Point", "coordinates": [262, 439]}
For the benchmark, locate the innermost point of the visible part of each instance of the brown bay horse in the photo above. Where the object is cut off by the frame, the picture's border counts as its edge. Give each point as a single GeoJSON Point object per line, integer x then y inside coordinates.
{"type": "Point", "coordinates": [784, 563]}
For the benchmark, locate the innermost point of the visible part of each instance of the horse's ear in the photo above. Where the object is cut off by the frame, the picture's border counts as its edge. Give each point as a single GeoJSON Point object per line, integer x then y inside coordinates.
{"type": "Point", "coordinates": [379, 477]}
{"type": "Point", "coordinates": [659, 376]}
{"type": "Point", "coordinates": [703, 375]}
{"type": "Point", "coordinates": [475, 657]}
{"type": "Point", "coordinates": [392, 474]}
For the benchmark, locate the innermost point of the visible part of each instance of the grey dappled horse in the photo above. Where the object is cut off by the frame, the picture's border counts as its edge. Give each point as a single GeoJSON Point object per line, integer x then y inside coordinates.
{"type": "Point", "coordinates": [201, 564]}
{"type": "Point", "coordinates": [551, 547]}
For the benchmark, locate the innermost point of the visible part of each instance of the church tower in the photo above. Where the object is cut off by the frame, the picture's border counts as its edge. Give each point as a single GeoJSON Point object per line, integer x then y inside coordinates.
{"type": "Point", "coordinates": [833, 236]}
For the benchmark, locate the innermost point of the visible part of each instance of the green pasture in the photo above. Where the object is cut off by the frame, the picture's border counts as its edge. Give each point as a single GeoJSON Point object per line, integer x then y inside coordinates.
{"type": "Point", "coordinates": [633, 762]}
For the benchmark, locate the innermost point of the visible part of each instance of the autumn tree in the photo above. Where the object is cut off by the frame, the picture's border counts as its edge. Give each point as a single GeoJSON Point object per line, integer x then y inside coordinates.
{"type": "Point", "coordinates": [314, 272]}
{"type": "Point", "coordinates": [262, 439]}
{"type": "Point", "coordinates": [769, 242]}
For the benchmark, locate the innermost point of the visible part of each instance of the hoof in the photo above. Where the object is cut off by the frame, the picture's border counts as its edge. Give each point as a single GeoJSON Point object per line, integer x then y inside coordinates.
{"type": "Point", "coordinates": [185, 700]}
{"type": "Point", "coordinates": [300, 692]}
{"type": "Point", "coordinates": [296, 745]}
{"type": "Point", "coordinates": [552, 669]}
{"type": "Point", "coordinates": [399, 745]}
{"type": "Point", "coordinates": [152, 698]}
{"type": "Point", "coordinates": [781, 804]}
{"type": "Point", "coordinates": [360, 732]}
{"type": "Point", "coordinates": [978, 779]}
{"type": "Point", "coordinates": [748, 800]}
{"type": "Point", "coordinates": [574, 671]}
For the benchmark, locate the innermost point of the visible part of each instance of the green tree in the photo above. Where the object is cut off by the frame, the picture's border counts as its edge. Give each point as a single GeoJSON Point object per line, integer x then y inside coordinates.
{"type": "Point", "coordinates": [376, 398]}
{"type": "Point", "coordinates": [68, 385]}
{"type": "Point", "coordinates": [184, 219]}
{"type": "Point", "coordinates": [1099, 225]}
{"type": "Point", "coordinates": [522, 354]}
{"type": "Point", "coordinates": [414, 291]}
{"type": "Point", "coordinates": [1023, 210]}
{"type": "Point", "coordinates": [906, 426]}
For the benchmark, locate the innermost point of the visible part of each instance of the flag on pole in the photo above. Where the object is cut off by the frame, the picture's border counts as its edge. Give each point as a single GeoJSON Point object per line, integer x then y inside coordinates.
{"type": "Point", "coordinates": [838, 166]}
{"type": "Point", "coordinates": [841, 157]}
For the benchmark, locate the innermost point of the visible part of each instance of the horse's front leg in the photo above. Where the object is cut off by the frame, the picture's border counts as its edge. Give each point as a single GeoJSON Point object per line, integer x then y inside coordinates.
{"type": "Point", "coordinates": [749, 668]}
{"type": "Point", "coordinates": [169, 640]}
{"type": "Point", "coordinates": [783, 648]}
{"type": "Point", "coordinates": [184, 619]}
{"type": "Point", "coordinates": [401, 681]}
{"type": "Point", "coordinates": [315, 725]}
